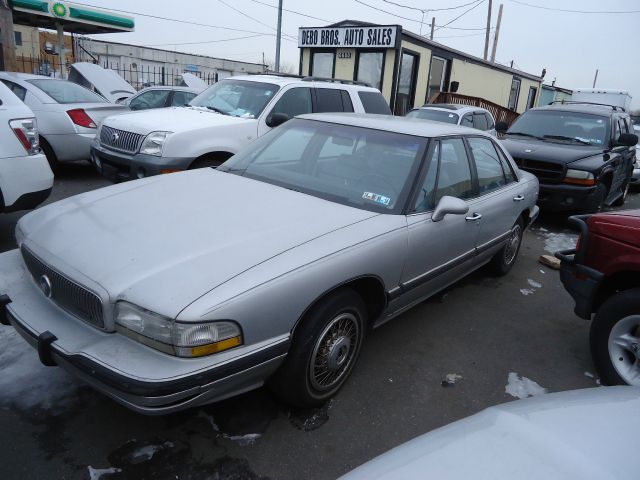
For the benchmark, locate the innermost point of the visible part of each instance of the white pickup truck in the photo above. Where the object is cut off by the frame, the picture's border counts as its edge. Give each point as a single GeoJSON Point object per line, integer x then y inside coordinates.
{"type": "Point", "coordinates": [219, 122]}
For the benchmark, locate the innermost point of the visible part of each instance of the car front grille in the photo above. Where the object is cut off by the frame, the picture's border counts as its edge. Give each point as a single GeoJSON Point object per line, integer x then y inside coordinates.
{"type": "Point", "coordinates": [545, 171]}
{"type": "Point", "coordinates": [67, 294]}
{"type": "Point", "coordinates": [119, 139]}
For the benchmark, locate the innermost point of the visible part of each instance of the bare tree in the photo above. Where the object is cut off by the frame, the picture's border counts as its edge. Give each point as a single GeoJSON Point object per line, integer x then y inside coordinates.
{"type": "Point", "coordinates": [285, 67]}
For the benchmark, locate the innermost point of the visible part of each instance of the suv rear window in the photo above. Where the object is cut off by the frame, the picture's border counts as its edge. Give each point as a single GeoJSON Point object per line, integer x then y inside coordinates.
{"type": "Point", "coordinates": [374, 102]}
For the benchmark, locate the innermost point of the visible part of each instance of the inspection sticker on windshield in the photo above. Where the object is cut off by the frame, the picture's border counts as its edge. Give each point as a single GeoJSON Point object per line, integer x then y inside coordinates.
{"type": "Point", "coordinates": [374, 197]}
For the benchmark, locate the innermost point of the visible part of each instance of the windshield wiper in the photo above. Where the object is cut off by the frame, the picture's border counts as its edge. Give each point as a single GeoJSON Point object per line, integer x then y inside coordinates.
{"type": "Point", "coordinates": [563, 137]}
{"type": "Point", "coordinates": [524, 135]}
{"type": "Point", "coordinates": [215, 109]}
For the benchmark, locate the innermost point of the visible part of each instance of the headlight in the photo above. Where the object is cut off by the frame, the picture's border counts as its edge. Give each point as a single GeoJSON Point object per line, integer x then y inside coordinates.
{"type": "Point", "coordinates": [154, 142]}
{"type": "Point", "coordinates": [579, 177]}
{"type": "Point", "coordinates": [176, 338]}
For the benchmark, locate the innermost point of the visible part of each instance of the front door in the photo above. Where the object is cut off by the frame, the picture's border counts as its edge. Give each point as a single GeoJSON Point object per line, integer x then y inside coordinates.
{"type": "Point", "coordinates": [437, 74]}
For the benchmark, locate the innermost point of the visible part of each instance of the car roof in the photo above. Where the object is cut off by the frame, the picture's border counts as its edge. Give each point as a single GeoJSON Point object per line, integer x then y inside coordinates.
{"type": "Point", "coordinates": [448, 107]}
{"type": "Point", "coordinates": [25, 76]}
{"type": "Point", "coordinates": [605, 110]}
{"type": "Point", "coordinates": [170, 87]}
{"type": "Point", "coordinates": [283, 81]}
{"type": "Point", "coordinates": [403, 125]}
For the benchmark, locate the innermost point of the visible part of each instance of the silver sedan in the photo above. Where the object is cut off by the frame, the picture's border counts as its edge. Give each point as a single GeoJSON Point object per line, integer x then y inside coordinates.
{"type": "Point", "coordinates": [67, 114]}
{"type": "Point", "coordinates": [179, 290]}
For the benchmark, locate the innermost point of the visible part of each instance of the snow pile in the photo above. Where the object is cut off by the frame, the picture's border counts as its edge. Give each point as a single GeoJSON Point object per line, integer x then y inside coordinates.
{"type": "Point", "coordinates": [97, 473]}
{"type": "Point", "coordinates": [534, 284]}
{"type": "Point", "coordinates": [244, 440]}
{"type": "Point", "coordinates": [451, 379]}
{"type": "Point", "coordinates": [25, 382]}
{"type": "Point", "coordinates": [147, 452]}
{"type": "Point", "coordinates": [554, 242]}
{"type": "Point", "coordinates": [522, 387]}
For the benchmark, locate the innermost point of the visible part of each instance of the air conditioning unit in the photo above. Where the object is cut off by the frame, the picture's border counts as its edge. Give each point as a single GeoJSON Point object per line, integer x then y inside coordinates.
{"type": "Point", "coordinates": [50, 48]}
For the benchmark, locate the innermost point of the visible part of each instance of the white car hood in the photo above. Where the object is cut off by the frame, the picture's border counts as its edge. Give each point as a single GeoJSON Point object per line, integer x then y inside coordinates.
{"type": "Point", "coordinates": [107, 82]}
{"type": "Point", "coordinates": [174, 119]}
{"type": "Point", "coordinates": [190, 80]}
{"type": "Point", "coordinates": [584, 434]}
{"type": "Point", "coordinates": [164, 241]}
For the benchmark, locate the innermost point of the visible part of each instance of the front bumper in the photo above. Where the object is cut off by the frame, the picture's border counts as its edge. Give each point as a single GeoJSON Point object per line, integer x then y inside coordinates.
{"type": "Point", "coordinates": [120, 166]}
{"type": "Point", "coordinates": [139, 377]}
{"type": "Point", "coordinates": [582, 282]}
{"type": "Point", "coordinates": [563, 197]}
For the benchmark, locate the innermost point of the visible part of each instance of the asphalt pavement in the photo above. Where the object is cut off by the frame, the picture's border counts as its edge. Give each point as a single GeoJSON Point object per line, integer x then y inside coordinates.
{"type": "Point", "coordinates": [481, 329]}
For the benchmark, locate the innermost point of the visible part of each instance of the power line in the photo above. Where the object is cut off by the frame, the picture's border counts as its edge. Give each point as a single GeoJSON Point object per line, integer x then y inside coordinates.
{"type": "Point", "coordinates": [461, 15]}
{"type": "Point", "coordinates": [573, 11]}
{"type": "Point", "coordinates": [419, 21]}
{"type": "Point", "coordinates": [428, 9]}
{"type": "Point", "coordinates": [293, 11]}
{"type": "Point", "coordinates": [208, 41]}
{"type": "Point", "coordinates": [251, 18]}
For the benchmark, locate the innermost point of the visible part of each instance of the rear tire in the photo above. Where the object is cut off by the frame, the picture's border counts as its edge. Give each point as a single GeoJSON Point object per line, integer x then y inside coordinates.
{"type": "Point", "coordinates": [503, 261]}
{"type": "Point", "coordinates": [615, 339]}
{"type": "Point", "coordinates": [51, 156]}
{"type": "Point", "coordinates": [325, 347]}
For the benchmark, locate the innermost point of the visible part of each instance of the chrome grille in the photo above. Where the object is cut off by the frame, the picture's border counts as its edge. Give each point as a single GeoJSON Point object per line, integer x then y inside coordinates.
{"type": "Point", "coordinates": [67, 294]}
{"type": "Point", "coordinates": [547, 172]}
{"type": "Point", "coordinates": [119, 139]}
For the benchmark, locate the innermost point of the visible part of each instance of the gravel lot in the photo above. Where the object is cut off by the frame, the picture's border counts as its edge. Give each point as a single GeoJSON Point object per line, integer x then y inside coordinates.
{"type": "Point", "coordinates": [482, 329]}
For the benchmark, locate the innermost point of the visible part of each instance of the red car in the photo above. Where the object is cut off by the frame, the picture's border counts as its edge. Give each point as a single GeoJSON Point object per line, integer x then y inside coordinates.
{"type": "Point", "coordinates": [602, 274]}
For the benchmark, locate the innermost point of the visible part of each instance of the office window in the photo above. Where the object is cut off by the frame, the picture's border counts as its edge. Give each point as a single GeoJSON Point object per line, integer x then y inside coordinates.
{"type": "Point", "coordinates": [370, 68]}
{"type": "Point", "coordinates": [18, 37]}
{"type": "Point", "coordinates": [322, 64]}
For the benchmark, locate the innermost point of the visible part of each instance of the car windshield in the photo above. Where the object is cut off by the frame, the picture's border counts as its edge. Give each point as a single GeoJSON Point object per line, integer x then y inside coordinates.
{"type": "Point", "coordinates": [562, 126]}
{"type": "Point", "coordinates": [360, 167]}
{"type": "Point", "coordinates": [240, 98]}
{"type": "Point", "coordinates": [63, 91]}
{"type": "Point", "coordinates": [435, 115]}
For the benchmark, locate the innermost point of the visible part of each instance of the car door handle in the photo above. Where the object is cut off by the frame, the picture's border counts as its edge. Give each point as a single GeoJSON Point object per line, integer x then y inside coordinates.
{"type": "Point", "coordinates": [519, 198]}
{"type": "Point", "coordinates": [475, 216]}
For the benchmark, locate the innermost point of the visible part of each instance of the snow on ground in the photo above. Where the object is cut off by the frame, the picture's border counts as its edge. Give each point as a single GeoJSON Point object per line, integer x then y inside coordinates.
{"type": "Point", "coordinates": [534, 284]}
{"type": "Point", "coordinates": [527, 291]}
{"type": "Point", "coordinates": [557, 241]}
{"type": "Point", "coordinates": [147, 452]}
{"type": "Point", "coordinates": [452, 378]}
{"type": "Point", "coordinates": [522, 387]}
{"type": "Point", "coordinates": [97, 473]}
{"type": "Point", "coordinates": [243, 440]}
{"type": "Point", "coordinates": [25, 382]}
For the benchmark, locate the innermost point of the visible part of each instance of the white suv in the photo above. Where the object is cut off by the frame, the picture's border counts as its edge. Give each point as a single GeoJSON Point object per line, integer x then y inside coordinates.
{"type": "Point", "coordinates": [219, 122]}
{"type": "Point", "coordinates": [25, 176]}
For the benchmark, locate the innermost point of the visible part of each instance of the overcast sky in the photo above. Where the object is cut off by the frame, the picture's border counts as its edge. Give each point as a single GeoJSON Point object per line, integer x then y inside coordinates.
{"type": "Point", "coordinates": [571, 46]}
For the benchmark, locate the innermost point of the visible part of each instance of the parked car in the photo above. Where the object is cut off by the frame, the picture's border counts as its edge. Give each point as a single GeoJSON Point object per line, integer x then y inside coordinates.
{"type": "Point", "coordinates": [218, 123]}
{"type": "Point", "coordinates": [105, 81]}
{"type": "Point", "coordinates": [25, 177]}
{"type": "Point", "coordinates": [635, 178]}
{"type": "Point", "coordinates": [184, 289]}
{"type": "Point", "coordinates": [586, 434]}
{"type": "Point", "coordinates": [472, 117]}
{"type": "Point", "coordinates": [161, 97]}
{"type": "Point", "coordinates": [582, 154]}
{"type": "Point", "coordinates": [602, 274]}
{"type": "Point", "coordinates": [67, 113]}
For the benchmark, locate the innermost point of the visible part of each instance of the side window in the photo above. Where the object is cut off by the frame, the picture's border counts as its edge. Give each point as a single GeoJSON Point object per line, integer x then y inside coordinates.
{"type": "Point", "coordinates": [374, 102]}
{"type": "Point", "coordinates": [150, 99]}
{"type": "Point", "coordinates": [180, 99]}
{"type": "Point", "coordinates": [509, 174]}
{"type": "Point", "coordinates": [328, 100]}
{"type": "Point", "coordinates": [624, 125]}
{"type": "Point", "coordinates": [425, 200]}
{"type": "Point", "coordinates": [490, 172]}
{"type": "Point", "coordinates": [296, 101]}
{"type": "Point", "coordinates": [289, 150]}
{"type": "Point", "coordinates": [490, 123]}
{"type": "Point", "coordinates": [467, 120]}
{"type": "Point", "coordinates": [20, 92]}
{"type": "Point", "coordinates": [347, 105]}
{"type": "Point", "coordinates": [480, 121]}
{"type": "Point", "coordinates": [454, 178]}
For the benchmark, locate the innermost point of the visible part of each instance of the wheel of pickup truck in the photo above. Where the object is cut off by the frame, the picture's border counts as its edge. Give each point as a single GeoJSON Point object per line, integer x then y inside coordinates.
{"type": "Point", "coordinates": [503, 261]}
{"type": "Point", "coordinates": [324, 349]}
{"type": "Point", "coordinates": [615, 339]}
{"type": "Point", "coordinates": [595, 201]}
{"type": "Point", "coordinates": [620, 200]}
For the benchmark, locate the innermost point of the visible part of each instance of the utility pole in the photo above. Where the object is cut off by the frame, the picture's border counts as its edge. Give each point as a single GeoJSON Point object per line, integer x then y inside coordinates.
{"type": "Point", "coordinates": [595, 79]}
{"type": "Point", "coordinates": [486, 37]}
{"type": "Point", "coordinates": [433, 24]}
{"type": "Point", "coordinates": [279, 36]}
{"type": "Point", "coordinates": [495, 39]}
{"type": "Point", "coordinates": [7, 37]}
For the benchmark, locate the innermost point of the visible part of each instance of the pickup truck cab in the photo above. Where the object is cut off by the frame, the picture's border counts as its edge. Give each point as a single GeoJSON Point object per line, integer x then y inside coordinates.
{"type": "Point", "coordinates": [219, 122]}
{"type": "Point", "coordinates": [602, 274]}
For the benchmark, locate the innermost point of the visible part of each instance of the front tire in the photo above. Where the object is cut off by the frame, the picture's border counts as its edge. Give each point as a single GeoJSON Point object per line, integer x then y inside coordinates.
{"type": "Point", "coordinates": [506, 257]}
{"type": "Point", "coordinates": [620, 200]}
{"type": "Point", "coordinates": [325, 347]}
{"type": "Point", "coordinates": [594, 204]}
{"type": "Point", "coordinates": [615, 339]}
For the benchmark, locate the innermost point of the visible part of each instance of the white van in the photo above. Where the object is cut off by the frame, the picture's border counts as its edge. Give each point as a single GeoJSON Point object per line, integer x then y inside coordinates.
{"type": "Point", "coordinates": [25, 176]}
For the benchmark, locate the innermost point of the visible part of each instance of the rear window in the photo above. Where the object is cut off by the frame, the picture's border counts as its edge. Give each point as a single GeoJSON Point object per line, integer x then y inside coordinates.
{"type": "Point", "coordinates": [63, 91]}
{"type": "Point", "coordinates": [434, 115]}
{"type": "Point", "coordinates": [374, 102]}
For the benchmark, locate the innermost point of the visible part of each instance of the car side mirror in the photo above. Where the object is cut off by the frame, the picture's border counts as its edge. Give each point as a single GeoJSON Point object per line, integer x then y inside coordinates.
{"type": "Point", "coordinates": [502, 127]}
{"type": "Point", "coordinates": [276, 119]}
{"type": "Point", "coordinates": [452, 205]}
{"type": "Point", "coordinates": [627, 140]}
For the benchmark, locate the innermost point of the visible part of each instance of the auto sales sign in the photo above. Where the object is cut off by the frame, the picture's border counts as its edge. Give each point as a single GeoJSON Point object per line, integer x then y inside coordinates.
{"type": "Point", "coordinates": [378, 36]}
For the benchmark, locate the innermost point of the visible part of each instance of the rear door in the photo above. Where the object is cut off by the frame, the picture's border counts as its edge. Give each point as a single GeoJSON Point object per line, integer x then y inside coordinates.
{"type": "Point", "coordinates": [622, 161]}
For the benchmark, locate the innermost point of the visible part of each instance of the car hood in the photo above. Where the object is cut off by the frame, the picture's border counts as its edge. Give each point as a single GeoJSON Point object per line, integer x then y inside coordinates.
{"type": "Point", "coordinates": [531, 149]}
{"type": "Point", "coordinates": [164, 241]}
{"type": "Point", "coordinates": [190, 80]}
{"type": "Point", "coordinates": [107, 82]}
{"type": "Point", "coordinates": [586, 434]}
{"type": "Point", "coordinates": [622, 226]}
{"type": "Point", "coordinates": [173, 119]}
